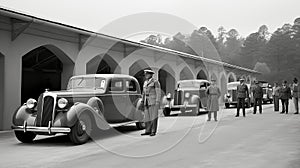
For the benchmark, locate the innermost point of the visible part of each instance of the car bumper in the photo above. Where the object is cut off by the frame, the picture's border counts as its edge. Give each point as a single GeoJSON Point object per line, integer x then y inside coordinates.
{"type": "Point", "coordinates": [49, 129]}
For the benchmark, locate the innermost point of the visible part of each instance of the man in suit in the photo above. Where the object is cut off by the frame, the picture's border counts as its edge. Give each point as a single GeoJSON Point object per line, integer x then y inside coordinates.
{"type": "Point", "coordinates": [257, 96]}
{"type": "Point", "coordinates": [275, 94]}
{"type": "Point", "coordinates": [284, 95]}
{"type": "Point", "coordinates": [242, 94]}
{"type": "Point", "coordinates": [296, 94]}
{"type": "Point", "coordinates": [151, 99]}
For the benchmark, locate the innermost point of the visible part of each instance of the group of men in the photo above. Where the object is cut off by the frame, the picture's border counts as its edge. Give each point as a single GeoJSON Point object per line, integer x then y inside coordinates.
{"type": "Point", "coordinates": [284, 93]}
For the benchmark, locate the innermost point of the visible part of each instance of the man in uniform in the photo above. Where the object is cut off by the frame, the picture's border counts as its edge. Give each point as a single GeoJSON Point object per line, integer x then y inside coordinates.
{"type": "Point", "coordinates": [150, 99]}
{"type": "Point", "coordinates": [257, 96]}
{"type": "Point", "coordinates": [242, 94]}
{"type": "Point", "coordinates": [285, 95]}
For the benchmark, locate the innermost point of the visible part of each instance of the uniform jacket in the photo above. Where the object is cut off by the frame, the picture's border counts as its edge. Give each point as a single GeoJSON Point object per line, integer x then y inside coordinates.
{"type": "Point", "coordinates": [257, 92]}
{"type": "Point", "coordinates": [151, 92]}
{"type": "Point", "coordinates": [242, 91]}
{"type": "Point", "coordinates": [296, 90]}
{"type": "Point", "coordinates": [285, 93]}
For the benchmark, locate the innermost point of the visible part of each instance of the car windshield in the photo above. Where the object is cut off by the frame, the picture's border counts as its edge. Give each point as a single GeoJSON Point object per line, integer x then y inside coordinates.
{"type": "Point", "coordinates": [86, 83]}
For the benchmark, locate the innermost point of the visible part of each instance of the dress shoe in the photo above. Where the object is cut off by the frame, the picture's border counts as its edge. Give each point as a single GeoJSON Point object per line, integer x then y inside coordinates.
{"type": "Point", "coordinates": [296, 113]}
{"type": "Point", "coordinates": [216, 120]}
{"type": "Point", "coordinates": [152, 134]}
{"type": "Point", "coordinates": [208, 120]}
{"type": "Point", "coordinates": [236, 116]}
{"type": "Point", "coordinates": [146, 133]}
{"type": "Point", "coordinates": [254, 113]}
{"type": "Point", "coordinates": [282, 112]}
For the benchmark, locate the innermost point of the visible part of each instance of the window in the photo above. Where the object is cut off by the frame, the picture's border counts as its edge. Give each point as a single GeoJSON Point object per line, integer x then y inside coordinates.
{"type": "Point", "coordinates": [131, 86]}
{"type": "Point", "coordinates": [116, 85]}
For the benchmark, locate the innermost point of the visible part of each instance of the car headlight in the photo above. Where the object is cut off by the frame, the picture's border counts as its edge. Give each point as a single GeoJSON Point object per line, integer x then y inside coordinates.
{"type": "Point", "coordinates": [228, 95]}
{"type": "Point", "coordinates": [31, 103]}
{"type": "Point", "coordinates": [187, 95]}
{"type": "Point", "coordinates": [169, 96]}
{"type": "Point", "coordinates": [62, 103]}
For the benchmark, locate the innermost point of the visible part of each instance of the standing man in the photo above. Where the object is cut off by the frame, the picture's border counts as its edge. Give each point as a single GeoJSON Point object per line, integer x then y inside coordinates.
{"type": "Point", "coordinates": [213, 95]}
{"type": "Point", "coordinates": [275, 94]}
{"type": "Point", "coordinates": [284, 95]}
{"type": "Point", "coordinates": [151, 98]}
{"type": "Point", "coordinates": [296, 94]}
{"type": "Point", "coordinates": [257, 96]}
{"type": "Point", "coordinates": [242, 94]}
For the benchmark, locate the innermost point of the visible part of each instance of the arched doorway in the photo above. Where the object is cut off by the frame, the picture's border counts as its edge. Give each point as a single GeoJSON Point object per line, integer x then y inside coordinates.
{"type": "Point", "coordinates": [45, 67]}
{"type": "Point", "coordinates": [186, 74]}
{"type": "Point", "coordinates": [102, 64]}
{"type": "Point", "coordinates": [1, 90]}
{"type": "Point", "coordinates": [231, 78]}
{"type": "Point", "coordinates": [201, 75]}
{"type": "Point", "coordinates": [166, 77]}
{"type": "Point", "coordinates": [137, 70]}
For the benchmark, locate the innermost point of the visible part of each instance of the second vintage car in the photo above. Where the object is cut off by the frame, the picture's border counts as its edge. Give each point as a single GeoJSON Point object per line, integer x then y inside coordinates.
{"type": "Point", "coordinates": [230, 98]}
{"type": "Point", "coordinates": [91, 102]}
{"type": "Point", "coordinates": [189, 96]}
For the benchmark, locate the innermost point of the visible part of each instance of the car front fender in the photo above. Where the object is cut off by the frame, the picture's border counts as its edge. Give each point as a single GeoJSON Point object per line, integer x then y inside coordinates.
{"type": "Point", "coordinates": [23, 114]}
{"type": "Point", "coordinates": [70, 117]}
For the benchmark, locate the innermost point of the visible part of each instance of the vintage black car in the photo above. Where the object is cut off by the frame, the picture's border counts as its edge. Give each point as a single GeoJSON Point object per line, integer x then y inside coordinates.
{"type": "Point", "coordinates": [91, 102]}
{"type": "Point", "coordinates": [189, 96]}
{"type": "Point", "coordinates": [267, 92]}
{"type": "Point", "coordinates": [230, 98]}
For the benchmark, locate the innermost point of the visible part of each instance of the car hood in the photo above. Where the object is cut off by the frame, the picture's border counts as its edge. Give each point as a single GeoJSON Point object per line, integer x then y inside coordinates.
{"type": "Point", "coordinates": [72, 93]}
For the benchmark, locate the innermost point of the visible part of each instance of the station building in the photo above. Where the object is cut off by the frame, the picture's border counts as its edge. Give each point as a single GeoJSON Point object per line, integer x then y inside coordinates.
{"type": "Point", "coordinates": [36, 53]}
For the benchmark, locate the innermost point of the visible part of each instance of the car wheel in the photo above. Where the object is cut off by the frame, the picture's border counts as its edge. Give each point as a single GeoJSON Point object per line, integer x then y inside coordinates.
{"type": "Point", "coordinates": [227, 105]}
{"type": "Point", "coordinates": [140, 125]}
{"type": "Point", "coordinates": [166, 112]}
{"type": "Point", "coordinates": [81, 131]}
{"type": "Point", "coordinates": [25, 137]}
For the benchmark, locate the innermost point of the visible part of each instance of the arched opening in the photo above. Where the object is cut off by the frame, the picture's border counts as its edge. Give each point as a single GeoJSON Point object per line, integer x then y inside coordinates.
{"type": "Point", "coordinates": [201, 75]}
{"type": "Point", "coordinates": [1, 90]}
{"type": "Point", "coordinates": [102, 64]}
{"type": "Point", "coordinates": [137, 70]}
{"type": "Point", "coordinates": [231, 78]}
{"type": "Point", "coordinates": [223, 86]}
{"type": "Point", "coordinates": [44, 67]}
{"type": "Point", "coordinates": [186, 74]}
{"type": "Point", "coordinates": [166, 77]}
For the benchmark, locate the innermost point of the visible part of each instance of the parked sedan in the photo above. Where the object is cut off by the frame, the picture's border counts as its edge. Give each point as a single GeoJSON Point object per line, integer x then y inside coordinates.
{"type": "Point", "coordinates": [230, 98]}
{"type": "Point", "coordinates": [90, 102]}
{"type": "Point", "coordinates": [189, 96]}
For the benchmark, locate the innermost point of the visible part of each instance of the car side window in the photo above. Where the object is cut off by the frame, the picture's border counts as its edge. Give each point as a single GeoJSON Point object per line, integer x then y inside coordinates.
{"type": "Point", "coordinates": [116, 85]}
{"type": "Point", "coordinates": [131, 86]}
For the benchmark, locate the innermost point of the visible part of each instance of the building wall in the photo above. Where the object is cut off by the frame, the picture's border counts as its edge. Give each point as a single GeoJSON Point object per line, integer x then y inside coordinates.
{"type": "Point", "coordinates": [64, 44]}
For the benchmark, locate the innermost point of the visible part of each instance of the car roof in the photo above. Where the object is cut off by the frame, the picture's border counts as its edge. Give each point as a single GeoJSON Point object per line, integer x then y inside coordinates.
{"type": "Point", "coordinates": [104, 76]}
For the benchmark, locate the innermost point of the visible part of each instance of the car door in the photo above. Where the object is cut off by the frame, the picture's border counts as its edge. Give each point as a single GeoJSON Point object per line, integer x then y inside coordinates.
{"type": "Point", "coordinates": [115, 106]}
{"type": "Point", "coordinates": [202, 93]}
{"type": "Point", "coordinates": [131, 98]}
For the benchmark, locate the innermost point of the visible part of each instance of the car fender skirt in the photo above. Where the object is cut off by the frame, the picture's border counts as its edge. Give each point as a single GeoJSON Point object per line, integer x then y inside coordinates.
{"type": "Point", "coordinates": [80, 108]}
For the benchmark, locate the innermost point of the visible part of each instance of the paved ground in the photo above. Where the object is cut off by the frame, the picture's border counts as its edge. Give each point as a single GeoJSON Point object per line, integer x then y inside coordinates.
{"type": "Point", "coordinates": [262, 140]}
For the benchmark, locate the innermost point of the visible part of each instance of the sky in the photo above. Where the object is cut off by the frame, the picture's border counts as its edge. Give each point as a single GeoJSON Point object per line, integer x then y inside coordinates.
{"type": "Point", "coordinates": [246, 16]}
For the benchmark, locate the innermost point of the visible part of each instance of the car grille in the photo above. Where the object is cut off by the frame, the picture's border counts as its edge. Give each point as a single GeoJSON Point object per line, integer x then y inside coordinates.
{"type": "Point", "coordinates": [45, 113]}
{"type": "Point", "coordinates": [234, 95]}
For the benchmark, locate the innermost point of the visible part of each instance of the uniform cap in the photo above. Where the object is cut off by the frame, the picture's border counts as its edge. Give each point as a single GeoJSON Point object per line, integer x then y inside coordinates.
{"type": "Point", "coordinates": [242, 79]}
